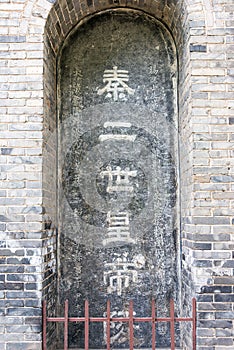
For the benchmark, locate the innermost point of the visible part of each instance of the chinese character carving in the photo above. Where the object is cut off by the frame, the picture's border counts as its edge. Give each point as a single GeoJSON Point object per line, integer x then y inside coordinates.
{"type": "Point", "coordinates": [118, 179]}
{"type": "Point", "coordinates": [118, 228]}
{"type": "Point", "coordinates": [117, 135]}
{"type": "Point", "coordinates": [116, 84]}
{"type": "Point", "coordinates": [119, 274]}
{"type": "Point", "coordinates": [119, 330]}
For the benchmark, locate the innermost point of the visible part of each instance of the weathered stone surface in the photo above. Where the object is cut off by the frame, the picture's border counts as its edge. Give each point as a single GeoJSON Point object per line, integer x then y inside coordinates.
{"type": "Point", "coordinates": [118, 203]}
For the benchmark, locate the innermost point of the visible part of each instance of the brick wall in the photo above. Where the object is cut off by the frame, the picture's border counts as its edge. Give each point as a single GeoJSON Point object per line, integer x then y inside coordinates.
{"type": "Point", "coordinates": [31, 35]}
{"type": "Point", "coordinates": [21, 124]}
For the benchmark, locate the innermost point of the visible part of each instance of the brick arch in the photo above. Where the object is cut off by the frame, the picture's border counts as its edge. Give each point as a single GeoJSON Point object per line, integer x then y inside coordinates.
{"type": "Point", "coordinates": [65, 15]}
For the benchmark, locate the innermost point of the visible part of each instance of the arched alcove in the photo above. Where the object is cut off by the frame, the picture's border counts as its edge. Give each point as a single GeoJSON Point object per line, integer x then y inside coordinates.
{"type": "Point", "coordinates": [82, 110]}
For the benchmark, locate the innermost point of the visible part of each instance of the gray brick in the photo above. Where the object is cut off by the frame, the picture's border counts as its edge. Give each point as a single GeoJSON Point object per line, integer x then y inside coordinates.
{"type": "Point", "coordinates": [22, 295]}
{"type": "Point", "coordinates": [205, 332]}
{"type": "Point", "coordinates": [229, 264]}
{"type": "Point", "coordinates": [202, 263]}
{"type": "Point", "coordinates": [2, 227]}
{"type": "Point", "coordinates": [223, 298]}
{"type": "Point", "coordinates": [224, 332]}
{"type": "Point", "coordinates": [211, 255]}
{"type": "Point", "coordinates": [228, 315]}
{"type": "Point", "coordinates": [21, 277]}
{"type": "Point", "coordinates": [16, 261]}
{"type": "Point", "coordinates": [223, 246]}
{"type": "Point", "coordinates": [11, 286]}
{"type": "Point", "coordinates": [216, 289]}
{"type": "Point", "coordinates": [25, 311]}
{"type": "Point", "coordinates": [225, 341]}
{"type": "Point", "coordinates": [18, 329]}
{"type": "Point", "coordinates": [224, 280]}
{"type": "Point", "coordinates": [223, 178]}
{"type": "Point", "coordinates": [15, 303]}
{"type": "Point", "coordinates": [24, 346]}
{"type": "Point", "coordinates": [202, 246]}
{"type": "Point", "coordinates": [223, 306]}
{"type": "Point", "coordinates": [11, 320]}
{"type": "Point", "coordinates": [11, 201]}
{"type": "Point", "coordinates": [11, 269]}
{"type": "Point", "coordinates": [33, 321]}
{"type": "Point", "coordinates": [211, 220]}
{"type": "Point", "coordinates": [32, 337]}
{"type": "Point", "coordinates": [6, 151]}
{"type": "Point", "coordinates": [207, 341]}
{"type": "Point", "coordinates": [215, 324]}
{"type": "Point", "coordinates": [198, 48]}
{"type": "Point", "coordinates": [8, 252]}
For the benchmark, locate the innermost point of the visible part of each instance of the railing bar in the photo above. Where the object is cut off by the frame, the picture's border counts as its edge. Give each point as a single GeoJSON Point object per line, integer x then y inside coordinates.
{"type": "Point", "coordinates": [108, 313]}
{"type": "Point", "coordinates": [86, 325]}
{"type": "Point", "coordinates": [131, 334]}
{"type": "Point", "coordinates": [172, 324]}
{"type": "Point", "coordinates": [120, 319]}
{"type": "Point", "coordinates": [153, 325]}
{"type": "Point", "coordinates": [76, 319]}
{"type": "Point", "coordinates": [126, 319]}
{"type": "Point", "coordinates": [44, 325]}
{"type": "Point", "coordinates": [56, 319]}
{"type": "Point", "coordinates": [66, 325]}
{"type": "Point", "coordinates": [194, 322]}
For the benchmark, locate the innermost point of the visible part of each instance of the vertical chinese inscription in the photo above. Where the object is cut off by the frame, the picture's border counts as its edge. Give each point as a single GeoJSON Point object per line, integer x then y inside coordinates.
{"type": "Point", "coordinates": [119, 272]}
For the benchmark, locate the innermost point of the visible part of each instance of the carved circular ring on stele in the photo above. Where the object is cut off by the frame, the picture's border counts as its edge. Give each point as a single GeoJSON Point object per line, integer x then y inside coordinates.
{"type": "Point", "coordinates": [75, 157]}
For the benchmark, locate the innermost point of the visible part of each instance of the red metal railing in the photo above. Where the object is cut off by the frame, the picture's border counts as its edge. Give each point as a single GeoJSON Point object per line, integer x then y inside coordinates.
{"type": "Point", "coordinates": [130, 320]}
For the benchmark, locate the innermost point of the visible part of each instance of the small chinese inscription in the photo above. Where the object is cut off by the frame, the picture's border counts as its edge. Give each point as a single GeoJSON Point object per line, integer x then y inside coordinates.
{"type": "Point", "coordinates": [116, 87]}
